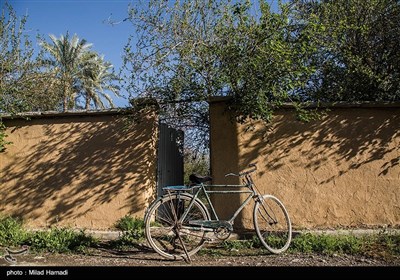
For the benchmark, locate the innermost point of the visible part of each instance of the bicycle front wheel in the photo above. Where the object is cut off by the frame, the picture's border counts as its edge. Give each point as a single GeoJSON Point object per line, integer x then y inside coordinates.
{"type": "Point", "coordinates": [167, 233]}
{"type": "Point", "coordinates": [272, 224]}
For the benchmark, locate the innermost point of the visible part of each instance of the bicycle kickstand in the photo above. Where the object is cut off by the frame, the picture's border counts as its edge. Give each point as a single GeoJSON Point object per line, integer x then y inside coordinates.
{"type": "Point", "coordinates": [187, 259]}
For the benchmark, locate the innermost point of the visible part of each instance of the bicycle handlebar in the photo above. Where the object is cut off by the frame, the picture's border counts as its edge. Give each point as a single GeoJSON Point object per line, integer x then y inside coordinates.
{"type": "Point", "coordinates": [244, 172]}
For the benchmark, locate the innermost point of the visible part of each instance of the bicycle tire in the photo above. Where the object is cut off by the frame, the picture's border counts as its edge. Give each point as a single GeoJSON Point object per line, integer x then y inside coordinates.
{"type": "Point", "coordinates": [272, 224]}
{"type": "Point", "coordinates": [161, 226]}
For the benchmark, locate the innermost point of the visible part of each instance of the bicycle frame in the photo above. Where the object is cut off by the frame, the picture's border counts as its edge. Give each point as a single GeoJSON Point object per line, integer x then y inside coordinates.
{"type": "Point", "coordinates": [250, 190]}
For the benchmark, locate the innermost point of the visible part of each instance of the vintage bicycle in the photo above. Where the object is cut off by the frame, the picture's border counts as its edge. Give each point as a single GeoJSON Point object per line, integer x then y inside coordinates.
{"type": "Point", "coordinates": [179, 223]}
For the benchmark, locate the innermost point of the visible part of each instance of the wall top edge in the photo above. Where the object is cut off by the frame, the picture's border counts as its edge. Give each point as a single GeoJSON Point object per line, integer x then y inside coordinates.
{"type": "Point", "coordinates": [361, 104]}
{"type": "Point", "coordinates": [57, 114]}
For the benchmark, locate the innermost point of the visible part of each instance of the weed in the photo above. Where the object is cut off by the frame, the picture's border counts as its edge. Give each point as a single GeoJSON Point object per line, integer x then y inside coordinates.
{"type": "Point", "coordinates": [60, 240]}
{"type": "Point", "coordinates": [254, 242]}
{"type": "Point", "coordinates": [11, 232]}
{"type": "Point", "coordinates": [56, 239]}
{"type": "Point", "coordinates": [133, 231]}
{"type": "Point", "coordinates": [63, 240]}
{"type": "Point", "coordinates": [382, 244]}
{"type": "Point", "coordinates": [377, 244]}
{"type": "Point", "coordinates": [128, 222]}
{"type": "Point", "coordinates": [326, 244]}
{"type": "Point", "coordinates": [210, 252]}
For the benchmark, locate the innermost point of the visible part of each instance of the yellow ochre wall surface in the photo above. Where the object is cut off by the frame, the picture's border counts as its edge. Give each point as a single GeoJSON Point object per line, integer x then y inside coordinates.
{"type": "Point", "coordinates": [78, 170]}
{"type": "Point", "coordinates": [342, 171]}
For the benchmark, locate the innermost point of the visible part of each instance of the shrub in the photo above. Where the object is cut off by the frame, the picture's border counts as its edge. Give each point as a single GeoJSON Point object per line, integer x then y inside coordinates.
{"type": "Point", "coordinates": [11, 232]}
{"type": "Point", "coordinates": [128, 223]}
{"type": "Point", "coordinates": [60, 240]}
{"type": "Point", "coordinates": [133, 230]}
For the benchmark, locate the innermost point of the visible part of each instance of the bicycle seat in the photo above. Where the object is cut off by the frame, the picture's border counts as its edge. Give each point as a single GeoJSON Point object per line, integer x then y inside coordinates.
{"type": "Point", "coordinates": [197, 179]}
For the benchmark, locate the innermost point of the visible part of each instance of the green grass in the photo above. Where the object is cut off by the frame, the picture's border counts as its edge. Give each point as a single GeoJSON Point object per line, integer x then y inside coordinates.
{"type": "Point", "coordinates": [129, 223]}
{"type": "Point", "coordinates": [63, 240]}
{"type": "Point", "coordinates": [382, 244]}
{"type": "Point", "coordinates": [56, 239]}
{"type": "Point", "coordinates": [60, 240]}
{"type": "Point", "coordinates": [11, 232]}
{"type": "Point", "coordinates": [326, 244]}
{"type": "Point", "coordinates": [133, 231]}
{"type": "Point", "coordinates": [232, 245]}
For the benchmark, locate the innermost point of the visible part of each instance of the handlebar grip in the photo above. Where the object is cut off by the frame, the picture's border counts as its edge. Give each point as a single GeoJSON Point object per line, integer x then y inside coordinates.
{"type": "Point", "coordinates": [253, 165]}
{"type": "Point", "coordinates": [244, 172]}
{"type": "Point", "coordinates": [232, 174]}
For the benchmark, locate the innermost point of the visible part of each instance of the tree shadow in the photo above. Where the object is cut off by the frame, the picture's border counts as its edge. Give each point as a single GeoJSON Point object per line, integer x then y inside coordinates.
{"type": "Point", "coordinates": [342, 170]}
{"type": "Point", "coordinates": [79, 171]}
{"type": "Point", "coordinates": [350, 138]}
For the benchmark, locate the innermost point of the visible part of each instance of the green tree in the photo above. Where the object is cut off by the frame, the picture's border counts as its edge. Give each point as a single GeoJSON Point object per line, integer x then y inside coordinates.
{"type": "Point", "coordinates": [307, 51]}
{"type": "Point", "coordinates": [65, 56]}
{"type": "Point", "coordinates": [189, 51]}
{"type": "Point", "coordinates": [15, 61]}
{"type": "Point", "coordinates": [264, 59]}
{"type": "Point", "coordinates": [170, 58]}
{"type": "Point", "coordinates": [30, 82]}
{"type": "Point", "coordinates": [96, 77]}
{"type": "Point", "coordinates": [358, 57]}
{"type": "Point", "coordinates": [23, 87]}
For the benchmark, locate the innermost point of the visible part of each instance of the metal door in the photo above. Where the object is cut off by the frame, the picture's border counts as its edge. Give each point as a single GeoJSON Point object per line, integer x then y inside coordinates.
{"type": "Point", "coordinates": [170, 158]}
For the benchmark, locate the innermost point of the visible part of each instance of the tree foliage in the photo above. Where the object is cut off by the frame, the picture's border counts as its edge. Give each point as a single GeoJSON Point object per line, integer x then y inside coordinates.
{"type": "Point", "coordinates": [195, 164]}
{"type": "Point", "coordinates": [169, 57]}
{"type": "Point", "coordinates": [79, 72]}
{"type": "Point", "coordinates": [65, 56]}
{"type": "Point", "coordinates": [95, 77]}
{"type": "Point", "coordinates": [183, 52]}
{"type": "Point", "coordinates": [189, 51]}
{"type": "Point", "coordinates": [53, 78]}
{"type": "Point", "coordinates": [58, 77]}
{"type": "Point", "coordinates": [23, 87]}
{"type": "Point", "coordinates": [264, 59]}
{"type": "Point", "coordinates": [307, 51]}
{"type": "Point", "coordinates": [358, 54]}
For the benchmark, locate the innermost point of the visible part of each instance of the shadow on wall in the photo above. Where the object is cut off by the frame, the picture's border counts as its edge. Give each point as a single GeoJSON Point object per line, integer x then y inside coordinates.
{"type": "Point", "coordinates": [86, 171]}
{"type": "Point", "coordinates": [349, 138]}
{"type": "Point", "coordinates": [341, 171]}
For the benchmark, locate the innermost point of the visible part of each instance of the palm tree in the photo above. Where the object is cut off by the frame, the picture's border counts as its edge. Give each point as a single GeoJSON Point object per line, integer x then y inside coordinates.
{"type": "Point", "coordinates": [96, 78]}
{"type": "Point", "coordinates": [65, 59]}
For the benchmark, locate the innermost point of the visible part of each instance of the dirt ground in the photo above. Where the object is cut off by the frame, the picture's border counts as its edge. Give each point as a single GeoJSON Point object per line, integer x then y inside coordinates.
{"type": "Point", "coordinates": [110, 264]}
{"type": "Point", "coordinates": [141, 257]}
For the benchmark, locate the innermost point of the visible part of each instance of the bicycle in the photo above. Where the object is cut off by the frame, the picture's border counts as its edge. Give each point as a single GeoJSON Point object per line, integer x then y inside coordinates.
{"type": "Point", "coordinates": [178, 223]}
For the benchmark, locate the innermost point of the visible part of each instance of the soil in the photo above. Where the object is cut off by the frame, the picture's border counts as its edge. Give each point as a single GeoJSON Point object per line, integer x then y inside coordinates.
{"type": "Point", "coordinates": [143, 256]}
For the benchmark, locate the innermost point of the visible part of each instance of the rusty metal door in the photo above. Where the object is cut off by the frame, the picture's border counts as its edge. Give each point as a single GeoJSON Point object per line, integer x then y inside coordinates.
{"type": "Point", "coordinates": [170, 158]}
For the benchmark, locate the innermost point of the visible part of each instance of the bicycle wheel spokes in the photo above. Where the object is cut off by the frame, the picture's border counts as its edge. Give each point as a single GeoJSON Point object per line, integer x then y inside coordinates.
{"type": "Point", "coordinates": [272, 224]}
{"type": "Point", "coordinates": [163, 226]}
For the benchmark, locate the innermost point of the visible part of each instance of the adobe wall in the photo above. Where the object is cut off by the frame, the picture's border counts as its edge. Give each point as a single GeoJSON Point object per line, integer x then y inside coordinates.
{"type": "Point", "coordinates": [341, 171]}
{"type": "Point", "coordinates": [84, 171]}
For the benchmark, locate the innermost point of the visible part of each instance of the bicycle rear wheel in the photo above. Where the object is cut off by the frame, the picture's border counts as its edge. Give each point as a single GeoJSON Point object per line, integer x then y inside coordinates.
{"type": "Point", "coordinates": [162, 226]}
{"type": "Point", "coordinates": [272, 224]}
